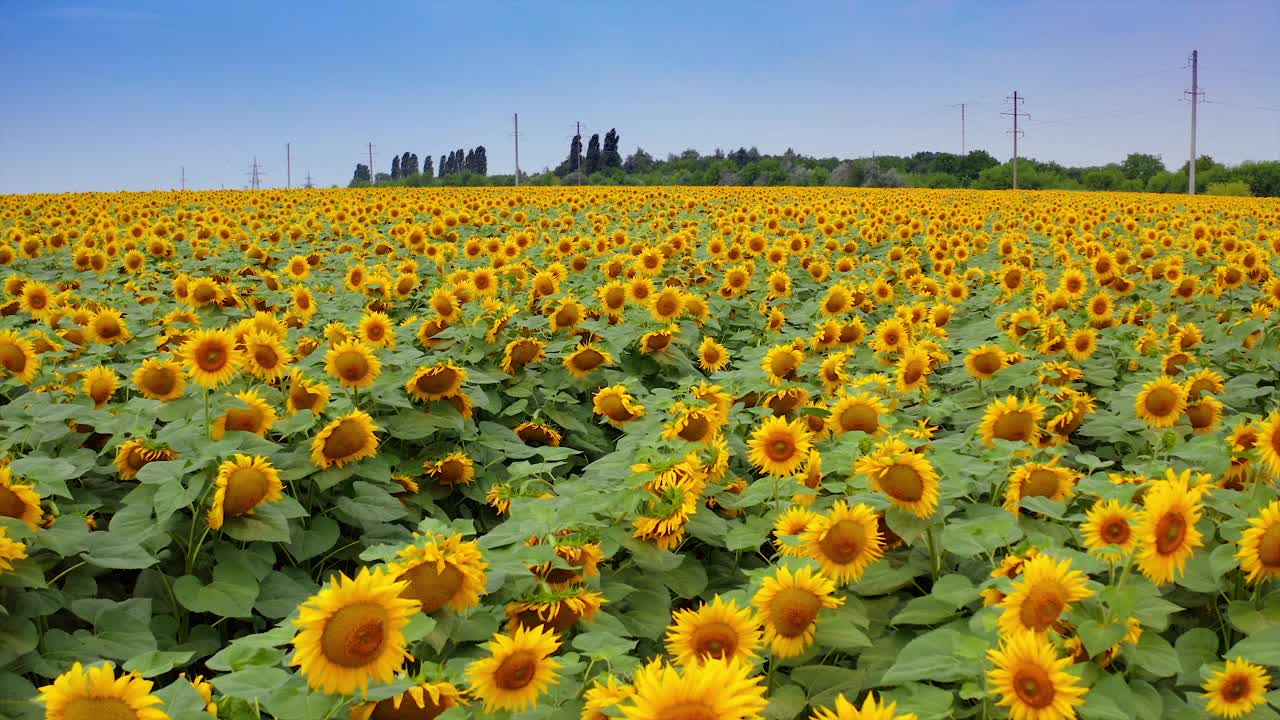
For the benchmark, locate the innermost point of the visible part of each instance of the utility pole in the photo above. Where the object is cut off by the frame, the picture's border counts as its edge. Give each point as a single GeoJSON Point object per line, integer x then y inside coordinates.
{"type": "Point", "coordinates": [372, 175]}
{"type": "Point", "coordinates": [1016, 97]}
{"type": "Point", "coordinates": [516, 118]}
{"type": "Point", "coordinates": [963, 151]}
{"type": "Point", "coordinates": [183, 170]}
{"type": "Point", "coordinates": [578, 158]}
{"type": "Point", "coordinates": [288, 166]}
{"type": "Point", "coordinates": [255, 175]}
{"type": "Point", "coordinates": [1195, 100]}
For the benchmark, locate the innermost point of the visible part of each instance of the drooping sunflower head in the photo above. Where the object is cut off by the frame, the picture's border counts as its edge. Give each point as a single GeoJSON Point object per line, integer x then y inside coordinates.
{"type": "Point", "coordinates": [306, 394]}
{"type": "Point", "coordinates": [716, 630]}
{"type": "Point", "coordinates": [441, 571]}
{"type": "Point", "coordinates": [1047, 480]}
{"type": "Point", "coordinates": [351, 633]}
{"type": "Point", "coordinates": [344, 441]}
{"type": "Point", "coordinates": [19, 500]}
{"type": "Point", "coordinates": [253, 414]}
{"type": "Point", "coordinates": [585, 360]}
{"type": "Point", "coordinates": [96, 692]}
{"type": "Point", "coordinates": [242, 484]}
{"type": "Point", "coordinates": [456, 468]}
{"type": "Point", "coordinates": [617, 405]}
{"type": "Point", "coordinates": [521, 352]}
{"type": "Point", "coordinates": [424, 701]}
{"type": "Point", "coordinates": [557, 609]}
{"type": "Point", "coordinates": [1259, 552]}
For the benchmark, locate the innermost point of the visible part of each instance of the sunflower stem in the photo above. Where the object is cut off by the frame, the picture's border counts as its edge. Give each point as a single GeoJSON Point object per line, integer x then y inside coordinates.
{"type": "Point", "coordinates": [934, 563]}
{"type": "Point", "coordinates": [58, 577]}
{"type": "Point", "coordinates": [207, 429]}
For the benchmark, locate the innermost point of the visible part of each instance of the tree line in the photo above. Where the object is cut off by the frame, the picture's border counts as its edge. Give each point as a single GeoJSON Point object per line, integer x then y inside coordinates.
{"type": "Point", "coordinates": [602, 164]}
{"type": "Point", "coordinates": [406, 168]}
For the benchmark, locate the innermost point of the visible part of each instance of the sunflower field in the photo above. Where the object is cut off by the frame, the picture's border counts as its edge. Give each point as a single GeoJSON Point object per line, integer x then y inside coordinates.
{"type": "Point", "coordinates": [642, 453]}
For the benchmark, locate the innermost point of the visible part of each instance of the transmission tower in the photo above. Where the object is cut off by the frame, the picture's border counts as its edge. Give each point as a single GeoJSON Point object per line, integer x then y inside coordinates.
{"type": "Point", "coordinates": [255, 175]}
{"type": "Point", "coordinates": [1016, 132]}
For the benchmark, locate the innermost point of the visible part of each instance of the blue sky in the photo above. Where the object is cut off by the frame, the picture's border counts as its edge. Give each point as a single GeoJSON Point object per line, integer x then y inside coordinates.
{"type": "Point", "coordinates": [100, 96]}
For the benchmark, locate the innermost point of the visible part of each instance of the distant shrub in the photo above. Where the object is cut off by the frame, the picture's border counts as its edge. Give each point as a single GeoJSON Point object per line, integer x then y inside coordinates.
{"type": "Point", "coordinates": [1236, 188]}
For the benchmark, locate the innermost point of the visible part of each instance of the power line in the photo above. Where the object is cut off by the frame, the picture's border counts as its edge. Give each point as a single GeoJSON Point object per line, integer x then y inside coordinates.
{"type": "Point", "coordinates": [1016, 132]}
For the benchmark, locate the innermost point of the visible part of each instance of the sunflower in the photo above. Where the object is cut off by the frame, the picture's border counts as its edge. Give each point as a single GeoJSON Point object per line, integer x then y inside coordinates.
{"type": "Point", "coordinates": [1108, 527]}
{"type": "Point", "coordinates": [133, 455]}
{"type": "Point", "coordinates": [712, 356]}
{"type": "Point", "coordinates": [1032, 681]}
{"type": "Point", "coordinates": [100, 384]}
{"type": "Point", "coordinates": [423, 701]}
{"type": "Point", "coordinates": [1167, 534]}
{"type": "Point", "coordinates": [907, 477]}
{"type": "Point", "coordinates": [557, 610]}
{"type": "Point", "coordinates": [1045, 590]}
{"type": "Point", "coordinates": [860, 413]}
{"type": "Point", "coordinates": [10, 551]}
{"type": "Point", "coordinates": [453, 469]}
{"type": "Point", "coordinates": [695, 425]}
{"type": "Point", "coordinates": [792, 523]}
{"type": "Point", "coordinates": [781, 363]}
{"type": "Point", "coordinates": [257, 417]}
{"type": "Point", "coordinates": [717, 630]}
{"type": "Point", "coordinates": [36, 300]}
{"type": "Point", "coordinates": [779, 447]}
{"type": "Point", "coordinates": [1204, 414]}
{"type": "Point", "coordinates": [913, 369]}
{"type": "Point", "coordinates": [604, 695]}
{"type": "Point", "coordinates": [17, 357]}
{"type": "Point", "coordinates": [719, 689]}
{"type": "Point", "coordinates": [844, 542]}
{"type": "Point", "coordinates": [536, 434]}
{"type": "Point", "coordinates": [1011, 419]}
{"type": "Point", "coordinates": [788, 603]}
{"type": "Point", "coordinates": [617, 405]}
{"type": "Point", "coordinates": [305, 394]}
{"type": "Point", "coordinates": [567, 315]}
{"type": "Point", "coordinates": [517, 670]}
{"type": "Point", "coordinates": [891, 337]}
{"type": "Point", "coordinates": [872, 709]}
{"type": "Point", "coordinates": [96, 692]}
{"type": "Point", "coordinates": [436, 382]}
{"type": "Point", "coordinates": [243, 483]}
{"type": "Point", "coordinates": [108, 327]}
{"type": "Point", "coordinates": [352, 632]}
{"type": "Point", "coordinates": [581, 362]}
{"type": "Point", "coordinates": [1045, 480]}
{"type": "Point", "coordinates": [211, 357]}
{"type": "Point", "coordinates": [264, 357]}
{"type": "Point", "coordinates": [521, 352]}
{"type": "Point", "coordinates": [834, 372]}
{"type": "Point", "coordinates": [1268, 443]}
{"type": "Point", "coordinates": [441, 571]}
{"type": "Point", "coordinates": [1161, 402]}
{"type": "Point", "coordinates": [1259, 552]}
{"type": "Point", "coordinates": [353, 364]}
{"type": "Point", "coordinates": [377, 329]}
{"type": "Point", "coordinates": [1237, 689]}
{"type": "Point", "coordinates": [19, 500]}
{"type": "Point", "coordinates": [344, 441]}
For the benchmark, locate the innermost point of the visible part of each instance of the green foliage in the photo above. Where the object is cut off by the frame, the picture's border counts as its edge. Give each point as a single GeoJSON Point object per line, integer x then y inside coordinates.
{"type": "Point", "coordinates": [1235, 188]}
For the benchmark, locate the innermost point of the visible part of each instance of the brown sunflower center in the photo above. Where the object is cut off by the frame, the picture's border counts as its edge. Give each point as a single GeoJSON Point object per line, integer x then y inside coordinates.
{"type": "Point", "coordinates": [354, 635]}
{"type": "Point", "coordinates": [352, 365]}
{"type": "Point", "coordinates": [1201, 415]}
{"type": "Point", "coordinates": [106, 326]}
{"type": "Point", "coordinates": [438, 381]}
{"type": "Point", "coordinates": [375, 332]}
{"type": "Point", "coordinates": [301, 398]}
{"type": "Point", "coordinates": [431, 586]}
{"type": "Point", "coordinates": [1033, 686]}
{"type": "Point", "coordinates": [1115, 530]}
{"type": "Point", "coordinates": [1040, 482]}
{"type": "Point", "coordinates": [844, 541]}
{"type": "Point", "coordinates": [793, 610]}
{"type": "Point", "coordinates": [666, 306]}
{"type": "Point", "coordinates": [246, 487]}
{"type": "Point", "coordinates": [100, 391]}
{"type": "Point", "coordinates": [1161, 402]}
{"type": "Point", "coordinates": [657, 342]}
{"type": "Point", "coordinates": [714, 640]}
{"type": "Point", "coordinates": [410, 710]}
{"type": "Point", "coordinates": [516, 671]}
{"type": "Point", "coordinates": [697, 427]}
{"type": "Point", "coordinates": [1042, 607]}
{"type": "Point", "coordinates": [136, 459]}
{"type": "Point", "coordinates": [912, 373]}
{"type": "Point", "coordinates": [780, 448]}
{"type": "Point", "coordinates": [266, 357]}
{"type": "Point", "coordinates": [204, 294]}
{"type": "Point", "coordinates": [451, 472]}
{"type": "Point", "coordinates": [211, 356]}
{"type": "Point", "coordinates": [1171, 528]}
{"type": "Point", "coordinates": [1017, 425]}
{"type": "Point", "coordinates": [614, 409]}
{"type": "Point", "coordinates": [1269, 548]}
{"type": "Point", "coordinates": [902, 482]}
{"type": "Point", "coordinates": [98, 708]}
{"type": "Point", "coordinates": [860, 417]}
{"type": "Point", "coordinates": [244, 419]}
{"type": "Point", "coordinates": [587, 359]}
{"type": "Point", "coordinates": [1237, 688]}
{"type": "Point", "coordinates": [12, 357]}
{"type": "Point", "coordinates": [10, 504]}
{"type": "Point", "coordinates": [783, 366]}
{"type": "Point", "coordinates": [345, 440]}
{"type": "Point", "coordinates": [687, 711]}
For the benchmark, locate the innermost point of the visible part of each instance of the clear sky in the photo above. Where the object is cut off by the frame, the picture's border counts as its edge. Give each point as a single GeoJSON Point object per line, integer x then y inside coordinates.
{"type": "Point", "coordinates": [100, 96]}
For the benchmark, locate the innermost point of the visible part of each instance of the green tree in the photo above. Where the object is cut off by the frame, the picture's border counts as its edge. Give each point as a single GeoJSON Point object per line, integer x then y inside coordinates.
{"type": "Point", "coordinates": [480, 161]}
{"type": "Point", "coordinates": [1140, 166]}
{"type": "Point", "coordinates": [444, 166]}
{"type": "Point", "coordinates": [427, 170]}
{"type": "Point", "coordinates": [612, 158]}
{"type": "Point", "coordinates": [361, 175]}
{"type": "Point", "coordinates": [592, 162]}
{"type": "Point", "coordinates": [395, 167]}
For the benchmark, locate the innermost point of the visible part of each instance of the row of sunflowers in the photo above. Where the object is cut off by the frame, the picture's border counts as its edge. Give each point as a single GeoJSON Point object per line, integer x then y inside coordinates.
{"type": "Point", "coordinates": [643, 453]}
